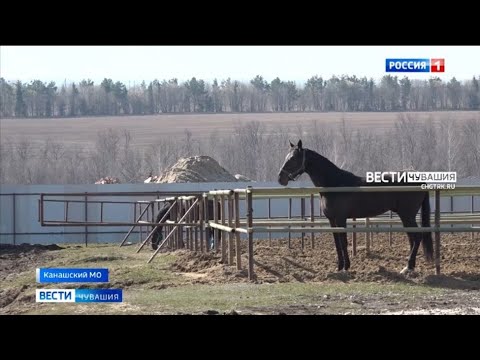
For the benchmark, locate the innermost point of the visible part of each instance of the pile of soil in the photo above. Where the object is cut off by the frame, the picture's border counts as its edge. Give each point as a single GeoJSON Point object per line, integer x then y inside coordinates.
{"type": "Point", "coordinates": [196, 169]}
{"type": "Point", "coordinates": [15, 259]}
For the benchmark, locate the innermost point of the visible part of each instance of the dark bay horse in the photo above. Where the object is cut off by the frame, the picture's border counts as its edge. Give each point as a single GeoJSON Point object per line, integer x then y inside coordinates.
{"type": "Point", "coordinates": [157, 235]}
{"type": "Point", "coordinates": [338, 207]}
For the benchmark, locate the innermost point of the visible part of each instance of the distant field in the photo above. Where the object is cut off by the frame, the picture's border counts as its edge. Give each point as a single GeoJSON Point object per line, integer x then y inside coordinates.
{"type": "Point", "coordinates": [147, 129]}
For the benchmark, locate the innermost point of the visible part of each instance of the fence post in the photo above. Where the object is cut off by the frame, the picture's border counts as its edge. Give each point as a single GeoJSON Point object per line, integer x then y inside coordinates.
{"type": "Point", "coordinates": [289, 216]}
{"type": "Point", "coordinates": [437, 232]}
{"type": "Point", "coordinates": [354, 239]}
{"type": "Point", "coordinates": [472, 206]}
{"type": "Point", "coordinates": [238, 249]}
{"type": "Point", "coordinates": [15, 219]}
{"type": "Point", "coordinates": [302, 215]}
{"type": "Point", "coordinates": [367, 236]}
{"type": "Point", "coordinates": [86, 219]}
{"type": "Point", "coordinates": [223, 234]}
{"type": "Point", "coordinates": [215, 220]}
{"type": "Point", "coordinates": [312, 217]}
{"type": "Point", "coordinates": [269, 217]}
{"type": "Point", "coordinates": [200, 218]}
{"type": "Point", "coordinates": [250, 233]}
{"type": "Point", "coordinates": [390, 233]}
{"type": "Point", "coordinates": [230, 234]}
{"type": "Point", "coordinates": [206, 217]}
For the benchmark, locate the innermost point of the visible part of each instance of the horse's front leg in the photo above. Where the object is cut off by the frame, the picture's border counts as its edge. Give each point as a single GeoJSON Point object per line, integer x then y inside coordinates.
{"type": "Point", "coordinates": [343, 243]}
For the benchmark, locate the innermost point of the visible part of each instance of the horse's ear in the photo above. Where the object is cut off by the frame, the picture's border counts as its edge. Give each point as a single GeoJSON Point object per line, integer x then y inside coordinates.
{"type": "Point", "coordinates": [299, 145]}
{"type": "Point", "coordinates": [291, 145]}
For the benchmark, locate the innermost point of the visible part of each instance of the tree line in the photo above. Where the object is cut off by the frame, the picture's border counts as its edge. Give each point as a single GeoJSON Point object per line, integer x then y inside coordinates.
{"type": "Point", "coordinates": [339, 94]}
{"type": "Point", "coordinates": [252, 149]}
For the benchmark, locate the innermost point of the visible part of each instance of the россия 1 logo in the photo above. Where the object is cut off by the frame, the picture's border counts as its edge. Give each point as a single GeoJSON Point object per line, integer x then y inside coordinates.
{"type": "Point", "coordinates": [415, 65]}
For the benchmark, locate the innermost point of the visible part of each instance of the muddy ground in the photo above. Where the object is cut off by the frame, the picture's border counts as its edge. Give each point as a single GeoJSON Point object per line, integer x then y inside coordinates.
{"type": "Point", "coordinates": [277, 263]}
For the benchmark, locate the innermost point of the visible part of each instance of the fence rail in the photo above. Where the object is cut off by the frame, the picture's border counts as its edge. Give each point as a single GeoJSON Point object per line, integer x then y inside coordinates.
{"type": "Point", "coordinates": [251, 226]}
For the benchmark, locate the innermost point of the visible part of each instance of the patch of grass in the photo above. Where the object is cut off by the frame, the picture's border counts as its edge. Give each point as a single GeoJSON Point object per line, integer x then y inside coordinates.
{"type": "Point", "coordinates": [154, 289]}
{"type": "Point", "coordinates": [126, 269]}
{"type": "Point", "coordinates": [199, 298]}
{"type": "Point", "coordinates": [331, 298]}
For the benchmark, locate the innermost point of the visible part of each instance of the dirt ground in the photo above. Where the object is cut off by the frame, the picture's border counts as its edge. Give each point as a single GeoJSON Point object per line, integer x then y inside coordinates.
{"type": "Point", "coordinates": [16, 259]}
{"type": "Point", "coordinates": [276, 263]}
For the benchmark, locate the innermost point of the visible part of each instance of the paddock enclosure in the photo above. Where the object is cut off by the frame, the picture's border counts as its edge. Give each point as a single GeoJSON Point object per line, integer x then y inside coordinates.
{"type": "Point", "coordinates": [289, 217]}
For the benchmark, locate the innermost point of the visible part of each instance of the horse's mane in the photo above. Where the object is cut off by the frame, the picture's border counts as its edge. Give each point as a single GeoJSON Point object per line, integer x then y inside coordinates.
{"type": "Point", "coordinates": [333, 175]}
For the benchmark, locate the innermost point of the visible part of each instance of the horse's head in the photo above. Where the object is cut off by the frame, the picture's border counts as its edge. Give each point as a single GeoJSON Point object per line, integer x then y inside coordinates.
{"type": "Point", "coordinates": [294, 164]}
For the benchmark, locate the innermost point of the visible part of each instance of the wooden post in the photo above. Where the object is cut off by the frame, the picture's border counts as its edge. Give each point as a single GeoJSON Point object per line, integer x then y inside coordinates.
{"type": "Point", "coordinates": [451, 211]}
{"type": "Point", "coordinates": [187, 219]}
{"type": "Point", "coordinates": [190, 220]}
{"type": "Point", "coordinates": [437, 232]}
{"type": "Point", "coordinates": [196, 216]}
{"type": "Point", "coordinates": [40, 209]}
{"type": "Point", "coordinates": [231, 253]}
{"type": "Point", "coordinates": [201, 222]}
{"type": "Point", "coordinates": [354, 239]}
{"type": "Point", "coordinates": [320, 211]}
{"type": "Point", "coordinates": [250, 234]}
{"type": "Point", "coordinates": [472, 206]}
{"type": "Point", "coordinates": [269, 217]}
{"type": "Point", "coordinates": [223, 234]}
{"type": "Point", "coordinates": [367, 237]}
{"type": "Point", "coordinates": [206, 217]}
{"type": "Point", "coordinates": [86, 219]}
{"type": "Point", "coordinates": [312, 217]}
{"type": "Point", "coordinates": [14, 204]}
{"type": "Point", "coordinates": [237, 234]}
{"type": "Point", "coordinates": [141, 227]}
{"type": "Point", "coordinates": [66, 211]}
{"type": "Point", "coordinates": [289, 216]}
{"type": "Point", "coordinates": [152, 205]}
{"type": "Point", "coordinates": [181, 211]}
{"type": "Point", "coordinates": [302, 215]}
{"type": "Point", "coordinates": [215, 219]}
{"type": "Point", "coordinates": [390, 241]}
{"type": "Point", "coordinates": [134, 212]}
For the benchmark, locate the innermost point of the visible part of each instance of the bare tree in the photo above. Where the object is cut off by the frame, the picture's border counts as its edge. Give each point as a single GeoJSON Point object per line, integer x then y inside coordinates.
{"type": "Point", "coordinates": [449, 144]}
{"type": "Point", "coordinates": [471, 141]}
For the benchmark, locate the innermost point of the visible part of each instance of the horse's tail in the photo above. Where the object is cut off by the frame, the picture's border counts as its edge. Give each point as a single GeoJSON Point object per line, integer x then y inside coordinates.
{"type": "Point", "coordinates": [427, 236]}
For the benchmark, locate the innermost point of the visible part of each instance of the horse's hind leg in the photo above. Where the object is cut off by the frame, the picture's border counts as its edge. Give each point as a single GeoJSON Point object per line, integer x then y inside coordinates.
{"type": "Point", "coordinates": [338, 246]}
{"type": "Point", "coordinates": [343, 244]}
{"type": "Point", "coordinates": [415, 239]}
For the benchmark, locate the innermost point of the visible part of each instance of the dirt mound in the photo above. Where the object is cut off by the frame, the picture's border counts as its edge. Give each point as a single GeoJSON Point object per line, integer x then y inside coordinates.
{"type": "Point", "coordinates": [279, 263]}
{"type": "Point", "coordinates": [15, 259]}
{"type": "Point", "coordinates": [196, 169]}
{"type": "Point", "coordinates": [9, 248]}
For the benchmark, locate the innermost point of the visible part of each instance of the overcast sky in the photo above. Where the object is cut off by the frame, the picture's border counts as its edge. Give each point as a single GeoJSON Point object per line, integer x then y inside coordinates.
{"type": "Point", "coordinates": [131, 64]}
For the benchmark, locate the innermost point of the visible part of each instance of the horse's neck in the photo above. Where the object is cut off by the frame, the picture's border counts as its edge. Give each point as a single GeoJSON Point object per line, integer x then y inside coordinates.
{"type": "Point", "coordinates": [324, 173]}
